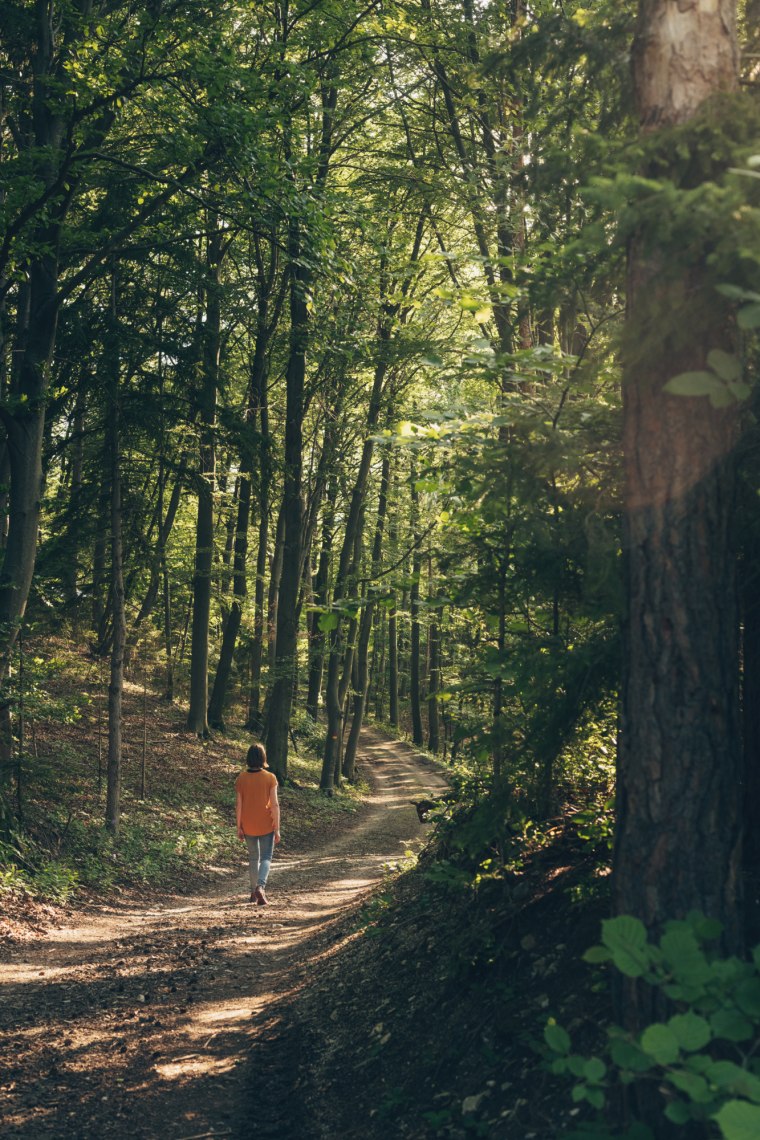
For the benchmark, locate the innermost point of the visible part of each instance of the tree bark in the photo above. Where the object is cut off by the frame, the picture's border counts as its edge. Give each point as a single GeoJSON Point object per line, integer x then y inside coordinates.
{"type": "Point", "coordinates": [434, 672]}
{"type": "Point", "coordinates": [321, 591]}
{"type": "Point", "coordinates": [197, 721]}
{"type": "Point", "coordinates": [119, 637]}
{"type": "Point", "coordinates": [365, 629]}
{"type": "Point", "coordinates": [281, 693]}
{"type": "Point", "coordinates": [678, 831]}
{"type": "Point", "coordinates": [414, 611]}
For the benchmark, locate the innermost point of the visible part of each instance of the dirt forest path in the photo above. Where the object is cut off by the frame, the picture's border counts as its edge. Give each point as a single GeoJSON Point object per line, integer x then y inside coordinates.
{"type": "Point", "coordinates": [148, 1023]}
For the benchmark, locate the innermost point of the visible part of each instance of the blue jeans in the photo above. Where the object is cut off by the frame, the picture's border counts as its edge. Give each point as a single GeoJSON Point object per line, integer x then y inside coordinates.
{"type": "Point", "coordinates": [260, 852]}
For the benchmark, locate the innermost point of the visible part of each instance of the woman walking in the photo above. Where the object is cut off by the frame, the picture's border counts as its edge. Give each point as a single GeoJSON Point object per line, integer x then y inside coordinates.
{"type": "Point", "coordinates": [258, 818]}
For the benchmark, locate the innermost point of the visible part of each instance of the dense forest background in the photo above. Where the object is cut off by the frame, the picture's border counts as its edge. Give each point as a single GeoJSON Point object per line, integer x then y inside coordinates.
{"type": "Point", "coordinates": [393, 361]}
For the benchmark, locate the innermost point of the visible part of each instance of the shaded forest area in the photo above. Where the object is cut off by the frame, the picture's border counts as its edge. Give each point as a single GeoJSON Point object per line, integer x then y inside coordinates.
{"type": "Point", "coordinates": [394, 362]}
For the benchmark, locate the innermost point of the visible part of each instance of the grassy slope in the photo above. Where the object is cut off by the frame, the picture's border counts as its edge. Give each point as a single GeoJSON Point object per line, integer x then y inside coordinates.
{"type": "Point", "coordinates": [178, 836]}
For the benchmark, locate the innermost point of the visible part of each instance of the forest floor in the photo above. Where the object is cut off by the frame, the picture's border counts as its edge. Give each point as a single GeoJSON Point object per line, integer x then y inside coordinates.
{"type": "Point", "coordinates": [372, 998]}
{"type": "Point", "coordinates": [150, 1020]}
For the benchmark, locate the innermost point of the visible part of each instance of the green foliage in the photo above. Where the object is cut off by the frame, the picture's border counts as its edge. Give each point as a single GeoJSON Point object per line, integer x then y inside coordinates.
{"type": "Point", "coordinates": [703, 1055]}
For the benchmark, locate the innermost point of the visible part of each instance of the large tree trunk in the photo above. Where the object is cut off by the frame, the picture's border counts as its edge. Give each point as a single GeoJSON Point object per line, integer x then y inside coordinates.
{"type": "Point", "coordinates": [677, 844]}
{"type": "Point", "coordinates": [750, 603]}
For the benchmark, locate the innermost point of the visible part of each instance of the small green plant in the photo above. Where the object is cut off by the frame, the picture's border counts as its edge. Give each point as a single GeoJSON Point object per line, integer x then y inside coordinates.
{"type": "Point", "coordinates": [703, 1056]}
{"type": "Point", "coordinates": [595, 824]}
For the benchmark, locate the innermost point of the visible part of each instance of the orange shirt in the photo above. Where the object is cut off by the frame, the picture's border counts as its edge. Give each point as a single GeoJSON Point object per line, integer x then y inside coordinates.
{"type": "Point", "coordinates": [255, 789]}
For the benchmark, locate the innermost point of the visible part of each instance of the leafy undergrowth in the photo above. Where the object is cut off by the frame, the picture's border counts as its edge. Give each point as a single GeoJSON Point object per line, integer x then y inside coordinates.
{"type": "Point", "coordinates": [177, 820]}
{"type": "Point", "coordinates": [443, 994]}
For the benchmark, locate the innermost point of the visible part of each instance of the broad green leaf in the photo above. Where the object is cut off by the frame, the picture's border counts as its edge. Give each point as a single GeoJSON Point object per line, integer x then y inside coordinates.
{"type": "Point", "coordinates": [626, 937]}
{"type": "Point", "coordinates": [732, 1078]}
{"type": "Point", "coordinates": [706, 929]}
{"type": "Point", "coordinates": [747, 997]}
{"type": "Point", "coordinates": [738, 1120]}
{"type": "Point", "coordinates": [557, 1038]}
{"type": "Point", "coordinates": [725, 364]}
{"type": "Point", "coordinates": [660, 1042]}
{"type": "Point", "coordinates": [595, 1070]}
{"type": "Point", "coordinates": [626, 1055]}
{"type": "Point", "coordinates": [692, 1031]}
{"type": "Point", "coordinates": [328, 622]}
{"type": "Point", "coordinates": [678, 1112]}
{"type": "Point", "coordinates": [740, 390]}
{"type": "Point", "coordinates": [683, 955]}
{"type": "Point", "coordinates": [731, 1025]}
{"type": "Point", "coordinates": [695, 1087]}
{"type": "Point", "coordinates": [596, 954]}
{"type": "Point", "coordinates": [721, 397]}
{"type": "Point", "coordinates": [748, 316]}
{"type": "Point", "coordinates": [576, 1064]}
{"type": "Point", "coordinates": [693, 384]}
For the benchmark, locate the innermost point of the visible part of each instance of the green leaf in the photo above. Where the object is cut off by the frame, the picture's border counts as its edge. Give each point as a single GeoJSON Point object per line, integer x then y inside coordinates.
{"type": "Point", "coordinates": [706, 929]}
{"type": "Point", "coordinates": [721, 397]}
{"type": "Point", "coordinates": [695, 1087]}
{"type": "Point", "coordinates": [576, 1064]}
{"type": "Point", "coordinates": [736, 293]}
{"type": "Point", "coordinates": [748, 317]}
{"type": "Point", "coordinates": [626, 1055]}
{"type": "Point", "coordinates": [626, 937]}
{"type": "Point", "coordinates": [557, 1038]}
{"type": "Point", "coordinates": [731, 1025]}
{"type": "Point", "coordinates": [594, 1070]}
{"type": "Point", "coordinates": [692, 1031]}
{"type": "Point", "coordinates": [683, 954]}
{"type": "Point", "coordinates": [747, 997]}
{"type": "Point", "coordinates": [660, 1042]}
{"type": "Point", "coordinates": [732, 1078]}
{"type": "Point", "coordinates": [328, 622]}
{"type": "Point", "coordinates": [692, 384]}
{"type": "Point", "coordinates": [738, 1120]}
{"type": "Point", "coordinates": [725, 364]}
{"type": "Point", "coordinates": [596, 954]}
{"type": "Point", "coordinates": [678, 1112]}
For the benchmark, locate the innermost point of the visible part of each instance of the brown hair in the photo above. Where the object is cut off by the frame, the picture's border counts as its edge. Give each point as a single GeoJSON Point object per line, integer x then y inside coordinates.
{"type": "Point", "coordinates": [256, 758]}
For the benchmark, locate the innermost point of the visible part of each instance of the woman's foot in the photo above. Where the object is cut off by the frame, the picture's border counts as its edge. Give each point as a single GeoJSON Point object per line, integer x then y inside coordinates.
{"type": "Point", "coordinates": [261, 898]}
{"type": "Point", "coordinates": [254, 896]}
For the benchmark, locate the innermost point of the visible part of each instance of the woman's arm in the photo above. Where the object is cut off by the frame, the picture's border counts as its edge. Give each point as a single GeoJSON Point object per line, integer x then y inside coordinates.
{"type": "Point", "coordinates": [239, 815]}
{"type": "Point", "coordinates": [274, 804]}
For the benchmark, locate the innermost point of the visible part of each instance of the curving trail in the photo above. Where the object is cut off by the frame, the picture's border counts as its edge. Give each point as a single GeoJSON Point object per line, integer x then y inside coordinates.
{"type": "Point", "coordinates": [149, 1023]}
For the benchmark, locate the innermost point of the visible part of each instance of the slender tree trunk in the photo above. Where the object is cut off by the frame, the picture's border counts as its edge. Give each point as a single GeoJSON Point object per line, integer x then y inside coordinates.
{"type": "Point", "coordinates": [414, 610]}
{"type": "Point", "coordinates": [273, 593]}
{"type": "Point", "coordinates": [204, 536]}
{"type": "Point", "coordinates": [678, 832]}
{"type": "Point", "coordinates": [347, 566]}
{"type": "Point", "coordinates": [365, 629]}
{"type": "Point", "coordinates": [281, 692]}
{"type": "Point", "coordinates": [434, 656]}
{"type": "Point", "coordinates": [116, 682]}
{"type": "Point", "coordinates": [234, 617]}
{"type": "Point", "coordinates": [256, 404]}
{"type": "Point", "coordinates": [321, 591]}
